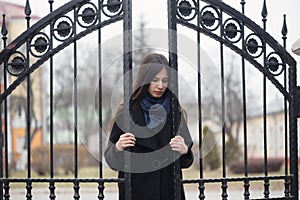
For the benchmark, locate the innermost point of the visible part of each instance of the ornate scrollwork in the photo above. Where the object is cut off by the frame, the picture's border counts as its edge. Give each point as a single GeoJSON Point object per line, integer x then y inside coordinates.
{"type": "Point", "coordinates": [210, 18]}
{"type": "Point", "coordinates": [232, 30]}
{"type": "Point", "coordinates": [16, 64]}
{"type": "Point", "coordinates": [39, 45]}
{"type": "Point", "coordinates": [253, 45]}
{"type": "Point", "coordinates": [274, 64]}
{"type": "Point", "coordinates": [87, 15]}
{"type": "Point", "coordinates": [63, 28]}
{"type": "Point", "coordinates": [112, 8]}
{"type": "Point", "coordinates": [186, 10]}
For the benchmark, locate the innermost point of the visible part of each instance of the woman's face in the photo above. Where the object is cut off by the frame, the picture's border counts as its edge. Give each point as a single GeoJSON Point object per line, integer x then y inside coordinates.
{"type": "Point", "coordinates": [159, 84]}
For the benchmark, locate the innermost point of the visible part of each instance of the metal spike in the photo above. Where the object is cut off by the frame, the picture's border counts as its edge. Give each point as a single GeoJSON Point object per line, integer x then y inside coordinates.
{"type": "Point", "coordinates": [4, 31]}
{"type": "Point", "coordinates": [264, 12]}
{"type": "Point", "coordinates": [284, 30]}
{"type": "Point", "coordinates": [51, 4]}
{"type": "Point", "coordinates": [243, 2]}
{"type": "Point", "coordinates": [27, 8]}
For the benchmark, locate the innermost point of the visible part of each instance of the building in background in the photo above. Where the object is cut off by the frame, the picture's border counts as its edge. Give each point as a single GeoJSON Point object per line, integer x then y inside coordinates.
{"type": "Point", "coordinates": [17, 104]}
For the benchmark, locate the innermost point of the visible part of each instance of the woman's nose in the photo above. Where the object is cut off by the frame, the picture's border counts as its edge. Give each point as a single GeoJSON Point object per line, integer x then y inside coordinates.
{"type": "Point", "coordinates": [160, 84]}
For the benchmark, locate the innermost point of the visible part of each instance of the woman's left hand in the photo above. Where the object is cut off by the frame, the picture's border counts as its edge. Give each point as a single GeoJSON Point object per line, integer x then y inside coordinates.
{"type": "Point", "coordinates": [177, 144]}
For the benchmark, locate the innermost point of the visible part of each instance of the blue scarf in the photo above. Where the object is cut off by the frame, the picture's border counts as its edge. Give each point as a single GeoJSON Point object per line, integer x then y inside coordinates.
{"type": "Point", "coordinates": [155, 110]}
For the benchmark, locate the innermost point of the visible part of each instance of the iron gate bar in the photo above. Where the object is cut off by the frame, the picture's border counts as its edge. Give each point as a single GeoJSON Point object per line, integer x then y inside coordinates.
{"type": "Point", "coordinates": [172, 42]}
{"type": "Point", "coordinates": [246, 181]}
{"type": "Point", "coordinates": [38, 26]}
{"type": "Point", "coordinates": [290, 96]}
{"type": "Point", "coordinates": [28, 108]}
{"type": "Point", "coordinates": [242, 53]}
{"type": "Point", "coordinates": [201, 186]}
{"type": "Point", "coordinates": [265, 143]}
{"type": "Point", "coordinates": [267, 39]}
{"type": "Point", "coordinates": [284, 38]}
{"type": "Point", "coordinates": [100, 119]}
{"type": "Point", "coordinates": [4, 33]}
{"type": "Point", "coordinates": [255, 28]}
{"type": "Point", "coordinates": [54, 51]}
{"type": "Point", "coordinates": [63, 180]}
{"type": "Point", "coordinates": [127, 74]}
{"type": "Point", "coordinates": [52, 195]}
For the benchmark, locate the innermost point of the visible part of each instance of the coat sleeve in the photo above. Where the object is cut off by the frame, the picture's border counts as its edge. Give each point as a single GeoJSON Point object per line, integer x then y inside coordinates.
{"type": "Point", "coordinates": [114, 157]}
{"type": "Point", "coordinates": [186, 160]}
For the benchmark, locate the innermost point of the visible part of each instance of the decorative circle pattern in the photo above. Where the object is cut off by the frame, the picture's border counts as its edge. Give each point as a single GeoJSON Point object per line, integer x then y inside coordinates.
{"type": "Point", "coordinates": [186, 9]}
{"type": "Point", "coordinates": [113, 8]}
{"type": "Point", "coordinates": [210, 16]}
{"type": "Point", "coordinates": [87, 15]}
{"type": "Point", "coordinates": [16, 64]}
{"type": "Point", "coordinates": [39, 44]}
{"type": "Point", "coordinates": [63, 28]}
{"type": "Point", "coordinates": [113, 5]}
{"type": "Point", "coordinates": [253, 45]}
{"type": "Point", "coordinates": [232, 30]}
{"type": "Point", "coordinates": [274, 64]}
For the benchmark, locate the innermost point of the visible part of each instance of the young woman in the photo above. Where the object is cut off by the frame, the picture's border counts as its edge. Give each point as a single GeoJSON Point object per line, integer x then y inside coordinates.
{"type": "Point", "coordinates": [151, 141]}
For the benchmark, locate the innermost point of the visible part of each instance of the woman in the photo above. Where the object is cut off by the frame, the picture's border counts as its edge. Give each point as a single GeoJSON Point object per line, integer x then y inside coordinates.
{"type": "Point", "coordinates": [150, 141]}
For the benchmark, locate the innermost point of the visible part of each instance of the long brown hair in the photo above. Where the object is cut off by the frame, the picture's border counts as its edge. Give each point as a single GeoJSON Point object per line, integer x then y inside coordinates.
{"type": "Point", "coordinates": [151, 65]}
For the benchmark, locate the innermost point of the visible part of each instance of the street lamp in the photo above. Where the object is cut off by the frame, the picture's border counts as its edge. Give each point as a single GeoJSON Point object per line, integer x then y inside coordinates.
{"type": "Point", "coordinates": [296, 47]}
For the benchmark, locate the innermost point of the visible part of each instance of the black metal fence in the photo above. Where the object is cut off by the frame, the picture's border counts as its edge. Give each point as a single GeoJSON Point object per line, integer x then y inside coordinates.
{"type": "Point", "coordinates": [64, 27]}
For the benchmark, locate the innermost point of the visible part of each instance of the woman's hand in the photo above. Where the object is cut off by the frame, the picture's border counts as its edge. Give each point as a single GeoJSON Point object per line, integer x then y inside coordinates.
{"type": "Point", "coordinates": [125, 140]}
{"type": "Point", "coordinates": [177, 144]}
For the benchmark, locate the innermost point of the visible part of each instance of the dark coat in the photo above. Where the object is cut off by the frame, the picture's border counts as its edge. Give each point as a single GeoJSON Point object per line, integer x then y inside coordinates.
{"type": "Point", "coordinates": [152, 160]}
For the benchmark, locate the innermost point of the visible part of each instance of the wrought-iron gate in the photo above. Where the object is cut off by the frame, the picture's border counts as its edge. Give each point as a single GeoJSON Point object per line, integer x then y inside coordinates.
{"type": "Point", "coordinates": [66, 25]}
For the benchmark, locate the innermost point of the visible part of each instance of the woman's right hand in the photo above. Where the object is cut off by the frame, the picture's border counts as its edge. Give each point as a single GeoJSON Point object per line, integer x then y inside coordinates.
{"type": "Point", "coordinates": [125, 140]}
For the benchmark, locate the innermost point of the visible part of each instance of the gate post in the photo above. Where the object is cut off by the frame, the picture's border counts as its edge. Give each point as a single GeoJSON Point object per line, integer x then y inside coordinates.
{"type": "Point", "coordinates": [293, 132]}
{"type": "Point", "coordinates": [173, 60]}
{"type": "Point", "coordinates": [127, 72]}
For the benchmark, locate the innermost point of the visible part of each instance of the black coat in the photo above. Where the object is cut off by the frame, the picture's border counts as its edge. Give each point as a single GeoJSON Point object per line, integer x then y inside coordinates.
{"type": "Point", "coordinates": [152, 160]}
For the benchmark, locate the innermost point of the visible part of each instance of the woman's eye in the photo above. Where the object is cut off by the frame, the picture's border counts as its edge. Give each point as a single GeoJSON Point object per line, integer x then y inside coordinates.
{"type": "Point", "coordinates": [165, 80]}
{"type": "Point", "coordinates": [154, 80]}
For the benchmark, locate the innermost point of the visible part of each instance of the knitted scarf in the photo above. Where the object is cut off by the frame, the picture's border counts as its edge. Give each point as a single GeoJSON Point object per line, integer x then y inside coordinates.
{"type": "Point", "coordinates": [155, 110]}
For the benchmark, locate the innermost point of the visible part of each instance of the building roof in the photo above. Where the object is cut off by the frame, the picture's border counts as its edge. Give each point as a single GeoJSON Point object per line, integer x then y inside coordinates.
{"type": "Point", "coordinates": [12, 11]}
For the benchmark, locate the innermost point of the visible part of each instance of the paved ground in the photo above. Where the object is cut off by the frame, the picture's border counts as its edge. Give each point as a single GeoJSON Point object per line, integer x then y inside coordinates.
{"type": "Point", "coordinates": [88, 194]}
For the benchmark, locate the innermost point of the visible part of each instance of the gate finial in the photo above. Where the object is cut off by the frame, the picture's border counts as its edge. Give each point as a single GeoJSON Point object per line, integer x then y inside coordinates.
{"type": "Point", "coordinates": [284, 30]}
{"type": "Point", "coordinates": [27, 8]}
{"type": "Point", "coordinates": [264, 12]}
{"type": "Point", "coordinates": [4, 31]}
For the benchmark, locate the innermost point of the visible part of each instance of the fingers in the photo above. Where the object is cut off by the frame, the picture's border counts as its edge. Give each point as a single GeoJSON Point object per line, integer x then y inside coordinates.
{"type": "Point", "coordinates": [177, 144]}
{"type": "Point", "coordinates": [126, 140]}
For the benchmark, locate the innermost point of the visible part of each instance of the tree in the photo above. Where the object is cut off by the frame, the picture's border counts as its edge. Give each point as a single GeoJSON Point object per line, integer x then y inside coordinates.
{"type": "Point", "coordinates": [141, 45]}
{"type": "Point", "coordinates": [232, 112]}
{"type": "Point", "coordinates": [87, 79]}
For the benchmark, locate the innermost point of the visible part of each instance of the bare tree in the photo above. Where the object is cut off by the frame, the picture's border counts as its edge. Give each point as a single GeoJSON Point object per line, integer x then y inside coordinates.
{"type": "Point", "coordinates": [231, 115]}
